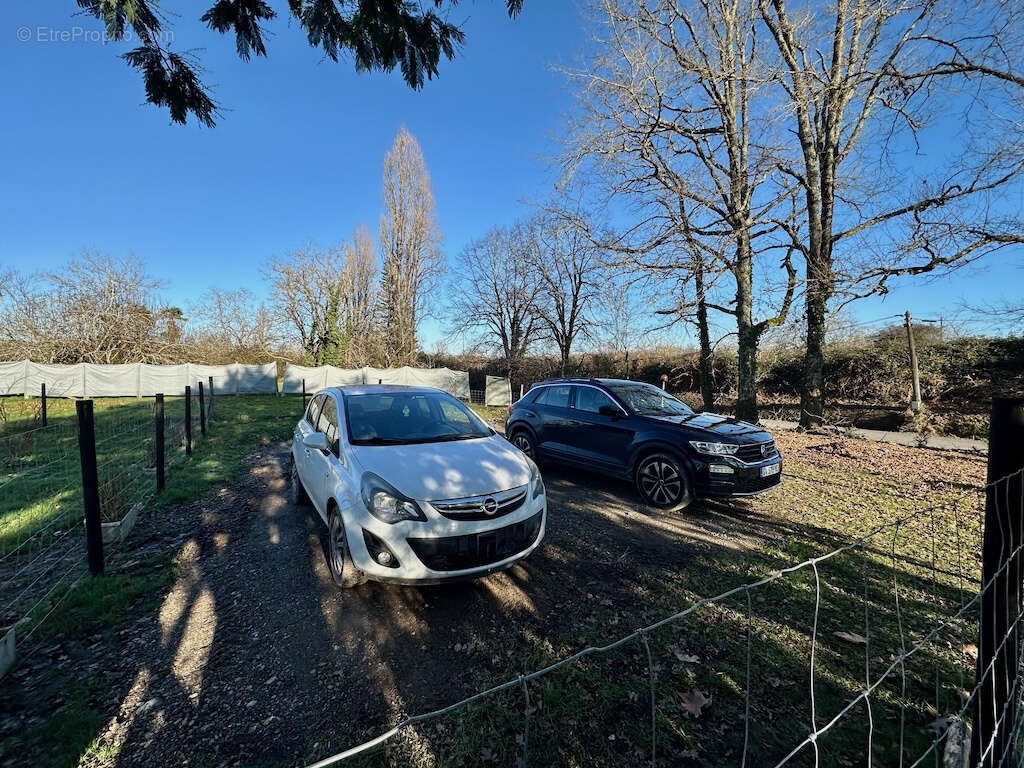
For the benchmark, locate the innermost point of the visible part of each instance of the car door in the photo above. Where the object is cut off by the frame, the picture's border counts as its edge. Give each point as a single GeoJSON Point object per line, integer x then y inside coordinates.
{"type": "Point", "coordinates": [306, 426]}
{"type": "Point", "coordinates": [321, 463]}
{"type": "Point", "coordinates": [552, 408]}
{"type": "Point", "coordinates": [596, 438]}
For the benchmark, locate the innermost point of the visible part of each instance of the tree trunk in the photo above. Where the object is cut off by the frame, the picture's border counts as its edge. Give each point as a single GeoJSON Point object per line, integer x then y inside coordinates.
{"type": "Point", "coordinates": [747, 335]}
{"type": "Point", "coordinates": [705, 364]}
{"type": "Point", "coordinates": [812, 394]}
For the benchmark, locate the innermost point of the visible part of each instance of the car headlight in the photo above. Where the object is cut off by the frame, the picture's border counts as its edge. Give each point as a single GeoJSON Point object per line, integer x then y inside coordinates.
{"type": "Point", "coordinates": [714, 449]}
{"type": "Point", "coordinates": [536, 483]}
{"type": "Point", "coordinates": [387, 504]}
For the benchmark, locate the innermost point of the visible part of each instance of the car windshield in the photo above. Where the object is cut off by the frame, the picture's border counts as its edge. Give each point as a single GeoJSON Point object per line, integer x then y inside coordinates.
{"type": "Point", "coordinates": [401, 418]}
{"type": "Point", "coordinates": [648, 400]}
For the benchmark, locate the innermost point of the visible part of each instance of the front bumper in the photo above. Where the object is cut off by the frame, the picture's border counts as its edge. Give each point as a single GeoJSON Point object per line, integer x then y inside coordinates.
{"type": "Point", "coordinates": [441, 550]}
{"type": "Point", "coordinates": [743, 480]}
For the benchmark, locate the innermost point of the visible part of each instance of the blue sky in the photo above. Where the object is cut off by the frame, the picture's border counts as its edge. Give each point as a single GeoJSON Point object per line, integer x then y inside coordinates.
{"type": "Point", "coordinates": [297, 154]}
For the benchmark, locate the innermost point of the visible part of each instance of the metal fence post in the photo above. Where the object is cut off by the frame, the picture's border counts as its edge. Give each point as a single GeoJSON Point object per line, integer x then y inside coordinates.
{"type": "Point", "coordinates": [90, 486]}
{"type": "Point", "coordinates": [209, 415]}
{"type": "Point", "coordinates": [303, 395]}
{"type": "Point", "coordinates": [998, 633]}
{"type": "Point", "coordinates": [158, 414]}
{"type": "Point", "coordinates": [42, 397]}
{"type": "Point", "coordinates": [188, 420]}
{"type": "Point", "coordinates": [202, 410]}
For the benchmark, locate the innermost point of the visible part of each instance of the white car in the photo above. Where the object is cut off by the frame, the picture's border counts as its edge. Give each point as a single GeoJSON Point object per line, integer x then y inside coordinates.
{"type": "Point", "coordinates": [413, 486]}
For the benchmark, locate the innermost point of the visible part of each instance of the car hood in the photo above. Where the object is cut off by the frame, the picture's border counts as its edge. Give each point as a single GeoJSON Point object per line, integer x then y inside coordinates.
{"type": "Point", "coordinates": [434, 471]}
{"type": "Point", "coordinates": [712, 422]}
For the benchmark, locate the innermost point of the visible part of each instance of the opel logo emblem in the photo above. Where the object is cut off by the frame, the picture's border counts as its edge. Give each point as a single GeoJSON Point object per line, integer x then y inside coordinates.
{"type": "Point", "coordinates": [490, 506]}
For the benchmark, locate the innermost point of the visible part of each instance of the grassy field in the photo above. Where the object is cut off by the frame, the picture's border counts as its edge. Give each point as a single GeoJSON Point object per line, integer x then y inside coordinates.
{"type": "Point", "coordinates": [857, 611]}
{"type": "Point", "coordinates": [40, 482]}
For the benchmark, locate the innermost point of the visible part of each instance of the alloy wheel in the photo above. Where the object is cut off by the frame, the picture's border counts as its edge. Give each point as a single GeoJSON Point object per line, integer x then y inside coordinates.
{"type": "Point", "coordinates": [661, 482]}
{"type": "Point", "coordinates": [338, 546]}
{"type": "Point", "coordinates": [523, 443]}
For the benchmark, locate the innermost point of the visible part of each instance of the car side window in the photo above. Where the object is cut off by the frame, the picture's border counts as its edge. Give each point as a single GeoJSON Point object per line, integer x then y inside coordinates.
{"type": "Point", "coordinates": [328, 423]}
{"type": "Point", "coordinates": [556, 396]}
{"type": "Point", "coordinates": [314, 410]}
{"type": "Point", "coordinates": [590, 400]}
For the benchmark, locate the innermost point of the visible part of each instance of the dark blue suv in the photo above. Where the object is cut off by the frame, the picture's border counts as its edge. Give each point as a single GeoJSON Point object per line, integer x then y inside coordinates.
{"type": "Point", "coordinates": [638, 432]}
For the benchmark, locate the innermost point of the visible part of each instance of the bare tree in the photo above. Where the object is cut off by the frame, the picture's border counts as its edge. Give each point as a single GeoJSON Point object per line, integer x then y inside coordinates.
{"type": "Point", "coordinates": [96, 309]}
{"type": "Point", "coordinates": [327, 299]}
{"type": "Point", "coordinates": [410, 245]}
{"type": "Point", "coordinates": [495, 294]}
{"type": "Point", "coordinates": [568, 266]}
{"type": "Point", "coordinates": [235, 323]}
{"type": "Point", "coordinates": [359, 298]}
{"type": "Point", "coordinates": [677, 119]}
{"type": "Point", "coordinates": [863, 80]}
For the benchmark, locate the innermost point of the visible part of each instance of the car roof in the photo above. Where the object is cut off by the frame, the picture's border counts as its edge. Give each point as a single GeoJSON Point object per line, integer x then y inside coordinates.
{"type": "Point", "coordinates": [568, 381]}
{"type": "Point", "coordinates": [602, 382]}
{"type": "Point", "coordinates": [380, 389]}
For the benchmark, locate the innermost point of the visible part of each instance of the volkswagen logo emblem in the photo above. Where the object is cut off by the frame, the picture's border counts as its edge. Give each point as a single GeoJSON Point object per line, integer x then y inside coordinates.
{"type": "Point", "coordinates": [490, 506]}
{"type": "Point", "coordinates": [765, 448]}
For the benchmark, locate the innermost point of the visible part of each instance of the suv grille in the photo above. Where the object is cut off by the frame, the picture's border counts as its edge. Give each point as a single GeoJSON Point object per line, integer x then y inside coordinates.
{"type": "Point", "coordinates": [456, 553]}
{"type": "Point", "coordinates": [752, 453]}
{"type": "Point", "coordinates": [485, 507]}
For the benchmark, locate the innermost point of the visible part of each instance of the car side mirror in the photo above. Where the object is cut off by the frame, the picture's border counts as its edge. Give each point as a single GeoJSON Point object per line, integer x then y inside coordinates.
{"type": "Point", "coordinates": [609, 410]}
{"type": "Point", "coordinates": [317, 440]}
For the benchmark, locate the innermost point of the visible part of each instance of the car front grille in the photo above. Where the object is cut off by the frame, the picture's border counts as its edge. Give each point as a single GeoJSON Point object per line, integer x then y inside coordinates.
{"type": "Point", "coordinates": [756, 484]}
{"type": "Point", "coordinates": [486, 507]}
{"type": "Point", "coordinates": [754, 452]}
{"type": "Point", "coordinates": [457, 553]}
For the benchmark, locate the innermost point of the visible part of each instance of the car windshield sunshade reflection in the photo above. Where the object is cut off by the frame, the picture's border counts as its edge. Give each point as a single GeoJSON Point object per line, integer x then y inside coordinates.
{"type": "Point", "coordinates": [401, 418]}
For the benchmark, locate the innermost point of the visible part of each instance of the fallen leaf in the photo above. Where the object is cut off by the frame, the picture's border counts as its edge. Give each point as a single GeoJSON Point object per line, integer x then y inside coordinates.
{"type": "Point", "coordinates": [694, 701]}
{"type": "Point", "coordinates": [851, 637]}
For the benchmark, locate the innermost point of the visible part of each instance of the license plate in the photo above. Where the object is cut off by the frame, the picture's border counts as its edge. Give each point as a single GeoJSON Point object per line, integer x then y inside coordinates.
{"type": "Point", "coordinates": [771, 469]}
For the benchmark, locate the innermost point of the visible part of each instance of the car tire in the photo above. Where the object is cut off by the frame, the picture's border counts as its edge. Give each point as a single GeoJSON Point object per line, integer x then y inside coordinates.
{"type": "Point", "coordinates": [663, 482]}
{"type": "Point", "coordinates": [298, 491]}
{"type": "Point", "coordinates": [523, 440]}
{"type": "Point", "coordinates": [339, 559]}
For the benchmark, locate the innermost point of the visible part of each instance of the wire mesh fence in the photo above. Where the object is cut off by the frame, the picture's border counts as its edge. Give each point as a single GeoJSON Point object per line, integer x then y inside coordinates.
{"type": "Point", "coordinates": [868, 654]}
{"type": "Point", "coordinates": [42, 536]}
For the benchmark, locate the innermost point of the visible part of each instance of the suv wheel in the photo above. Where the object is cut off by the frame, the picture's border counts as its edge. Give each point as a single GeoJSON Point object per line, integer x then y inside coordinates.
{"type": "Point", "coordinates": [523, 440]}
{"type": "Point", "coordinates": [663, 482]}
{"type": "Point", "coordinates": [339, 560]}
{"type": "Point", "coordinates": [299, 496]}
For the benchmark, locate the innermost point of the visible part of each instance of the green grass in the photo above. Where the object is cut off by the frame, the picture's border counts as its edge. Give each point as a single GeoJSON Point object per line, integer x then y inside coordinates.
{"type": "Point", "coordinates": [69, 737]}
{"type": "Point", "coordinates": [40, 476]}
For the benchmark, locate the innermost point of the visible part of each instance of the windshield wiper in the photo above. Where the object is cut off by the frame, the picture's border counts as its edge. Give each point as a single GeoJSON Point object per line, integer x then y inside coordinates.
{"type": "Point", "coordinates": [381, 441]}
{"type": "Point", "coordinates": [451, 438]}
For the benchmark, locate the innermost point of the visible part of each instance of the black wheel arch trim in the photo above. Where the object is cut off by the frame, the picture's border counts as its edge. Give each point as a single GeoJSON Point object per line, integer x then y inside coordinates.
{"type": "Point", "coordinates": [658, 446]}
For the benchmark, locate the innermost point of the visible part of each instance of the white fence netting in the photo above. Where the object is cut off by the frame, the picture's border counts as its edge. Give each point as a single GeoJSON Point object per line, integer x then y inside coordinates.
{"type": "Point", "coordinates": [498, 391]}
{"type": "Point", "coordinates": [453, 382]}
{"type": "Point", "coordinates": [133, 379]}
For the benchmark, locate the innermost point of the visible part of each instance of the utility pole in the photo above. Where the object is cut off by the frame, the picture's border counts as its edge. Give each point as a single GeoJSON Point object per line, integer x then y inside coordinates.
{"type": "Point", "coordinates": [915, 400]}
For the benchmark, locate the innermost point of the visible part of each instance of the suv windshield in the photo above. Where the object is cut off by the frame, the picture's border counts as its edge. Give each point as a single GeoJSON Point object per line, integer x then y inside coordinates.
{"type": "Point", "coordinates": [648, 400]}
{"type": "Point", "coordinates": [400, 418]}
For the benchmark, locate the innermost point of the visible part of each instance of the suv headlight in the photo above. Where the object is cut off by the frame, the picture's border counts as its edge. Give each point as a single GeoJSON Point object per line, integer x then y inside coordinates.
{"type": "Point", "coordinates": [387, 504]}
{"type": "Point", "coordinates": [714, 449]}
{"type": "Point", "coordinates": [536, 483]}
